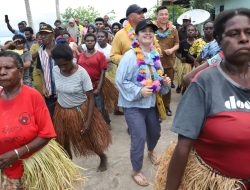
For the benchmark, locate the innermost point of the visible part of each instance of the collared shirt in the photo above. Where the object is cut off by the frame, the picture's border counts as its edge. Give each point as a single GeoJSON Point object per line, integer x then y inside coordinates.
{"type": "Point", "coordinates": [129, 88]}
{"type": "Point", "coordinates": [45, 63]}
{"type": "Point", "coordinates": [166, 43]}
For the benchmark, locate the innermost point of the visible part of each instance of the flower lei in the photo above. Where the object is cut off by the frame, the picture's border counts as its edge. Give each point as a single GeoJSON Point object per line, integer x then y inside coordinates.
{"type": "Point", "coordinates": [166, 33]}
{"type": "Point", "coordinates": [142, 75]}
{"type": "Point", "coordinates": [130, 30]}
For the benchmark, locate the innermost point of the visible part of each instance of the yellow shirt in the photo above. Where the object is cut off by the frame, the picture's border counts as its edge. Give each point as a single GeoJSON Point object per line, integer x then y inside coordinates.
{"type": "Point", "coordinates": [121, 44]}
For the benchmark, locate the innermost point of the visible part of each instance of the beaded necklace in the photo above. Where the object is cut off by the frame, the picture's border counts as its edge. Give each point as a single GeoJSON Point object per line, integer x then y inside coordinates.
{"type": "Point", "coordinates": [142, 74]}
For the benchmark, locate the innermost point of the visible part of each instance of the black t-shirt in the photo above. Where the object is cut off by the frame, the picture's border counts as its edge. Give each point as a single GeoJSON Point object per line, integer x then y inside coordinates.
{"type": "Point", "coordinates": [184, 49]}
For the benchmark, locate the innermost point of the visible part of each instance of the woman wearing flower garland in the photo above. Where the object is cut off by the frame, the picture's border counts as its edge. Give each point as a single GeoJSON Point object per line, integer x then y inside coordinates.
{"type": "Point", "coordinates": [139, 78]}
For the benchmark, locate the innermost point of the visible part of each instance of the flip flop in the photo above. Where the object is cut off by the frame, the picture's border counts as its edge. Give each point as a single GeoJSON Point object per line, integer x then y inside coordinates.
{"type": "Point", "coordinates": [140, 179]}
{"type": "Point", "coordinates": [153, 158]}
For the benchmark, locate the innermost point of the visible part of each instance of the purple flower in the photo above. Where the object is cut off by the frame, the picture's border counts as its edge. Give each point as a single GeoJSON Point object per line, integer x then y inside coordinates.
{"type": "Point", "coordinates": [140, 77]}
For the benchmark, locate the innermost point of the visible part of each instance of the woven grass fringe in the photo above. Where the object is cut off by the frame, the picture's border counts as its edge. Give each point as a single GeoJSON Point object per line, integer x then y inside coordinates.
{"type": "Point", "coordinates": [110, 95]}
{"type": "Point", "coordinates": [197, 176]}
{"type": "Point", "coordinates": [50, 169]}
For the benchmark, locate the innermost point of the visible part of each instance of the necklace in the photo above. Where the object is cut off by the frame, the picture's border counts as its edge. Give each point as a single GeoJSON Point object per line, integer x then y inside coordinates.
{"type": "Point", "coordinates": [131, 32]}
{"type": "Point", "coordinates": [166, 33]}
{"type": "Point", "coordinates": [142, 74]}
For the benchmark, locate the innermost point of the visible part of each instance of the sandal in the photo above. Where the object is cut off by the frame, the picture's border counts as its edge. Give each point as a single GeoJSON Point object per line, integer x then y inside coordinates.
{"type": "Point", "coordinates": [153, 158]}
{"type": "Point", "coordinates": [140, 179]}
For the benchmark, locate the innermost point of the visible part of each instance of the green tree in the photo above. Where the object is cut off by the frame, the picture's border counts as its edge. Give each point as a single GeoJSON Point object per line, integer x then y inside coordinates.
{"type": "Point", "coordinates": [201, 4]}
{"type": "Point", "coordinates": [81, 12]}
{"type": "Point", "coordinates": [111, 15]}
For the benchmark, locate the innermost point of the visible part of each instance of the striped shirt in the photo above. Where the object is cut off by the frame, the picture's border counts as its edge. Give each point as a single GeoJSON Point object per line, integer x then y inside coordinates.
{"type": "Point", "coordinates": [45, 63]}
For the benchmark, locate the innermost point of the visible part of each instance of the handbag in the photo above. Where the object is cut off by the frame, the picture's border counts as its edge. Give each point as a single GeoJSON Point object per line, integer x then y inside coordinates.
{"type": "Point", "coordinates": [159, 102]}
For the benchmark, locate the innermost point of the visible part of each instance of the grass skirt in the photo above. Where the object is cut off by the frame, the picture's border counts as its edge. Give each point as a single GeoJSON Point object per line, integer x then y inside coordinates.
{"type": "Point", "coordinates": [197, 176]}
{"type": "Point", "coordinates": [68, 123]}
{"type": "Point", "coordinates": [110, 95]}
{"type": "Point", "coordinates": [50, 169]}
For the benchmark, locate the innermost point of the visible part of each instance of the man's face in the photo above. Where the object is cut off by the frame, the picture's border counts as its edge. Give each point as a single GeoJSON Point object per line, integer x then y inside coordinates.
{"type": "Point", "coordinates": [136, 17]}
{"type": "Point", "coordinates": [162, 16]}
{"type": "Point", "coordinates": [21, 27]}
{"type": "Point", "coordinates": [28, 35]}
{"type": "Point", "coordinates": [57, 24]}
{"type": "Point", "coordinates": [185, 22]}
{"type": "Point", "coordinates": [106, 18]}
{"type": "Point", "coordinates": [209, 29]}
{"type": "Point", "coordinates": [99, 25]}
{"type": "Point", "coordinates": [47, 37]}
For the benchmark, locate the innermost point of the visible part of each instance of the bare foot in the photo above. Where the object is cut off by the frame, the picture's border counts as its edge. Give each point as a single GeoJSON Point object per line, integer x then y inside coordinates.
{"type": "Point", "coordinates": [103, 163]}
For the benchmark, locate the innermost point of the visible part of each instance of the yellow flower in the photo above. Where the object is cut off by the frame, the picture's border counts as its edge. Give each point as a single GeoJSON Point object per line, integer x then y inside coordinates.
{"type": "Point", "coordinates": [143, 71]}
{"type": "Point", "coordinates": [137, 49]}
{"type": "Point", "coordinates": [148, 82]}
{"type": "Point", "coordinates": [140, 56]}
{"type": "Point", "coordinates": [160, 72]}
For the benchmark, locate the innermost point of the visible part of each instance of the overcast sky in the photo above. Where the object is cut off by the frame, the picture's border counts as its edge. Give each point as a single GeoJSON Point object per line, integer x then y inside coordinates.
{"type": "Point", "coordinates": [44, 10]}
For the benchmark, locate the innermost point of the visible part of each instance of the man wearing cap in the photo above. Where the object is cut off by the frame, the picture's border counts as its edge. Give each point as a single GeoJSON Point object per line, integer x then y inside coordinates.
{"type": "Point", "coordinates": [168, 39]}
{"type": "Point", "coordinates": [45, 64]}
{"type": "Point", "coordinates": [186, 20]}
{"type": "Point", "coordinates": [124, 38]}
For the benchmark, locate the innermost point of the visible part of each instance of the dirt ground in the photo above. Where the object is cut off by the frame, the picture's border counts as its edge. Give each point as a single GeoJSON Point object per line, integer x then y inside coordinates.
{"type": "Point", "coordinates": [118, 175]}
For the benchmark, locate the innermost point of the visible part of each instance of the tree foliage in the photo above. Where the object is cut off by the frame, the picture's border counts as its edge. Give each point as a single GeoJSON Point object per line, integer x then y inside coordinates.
{"type": "Point", "coordinates": [201, 4]}
{"type": "Point", "coordinates": [82, 13]}
{"type": "Point", "coordinates": [111, 15]}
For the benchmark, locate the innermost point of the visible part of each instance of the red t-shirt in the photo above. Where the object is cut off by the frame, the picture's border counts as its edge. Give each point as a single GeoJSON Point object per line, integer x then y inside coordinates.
{"type": "Point", "coordinates": [22, 119]}
{"type": "Point", "coordinates": [93, 65]}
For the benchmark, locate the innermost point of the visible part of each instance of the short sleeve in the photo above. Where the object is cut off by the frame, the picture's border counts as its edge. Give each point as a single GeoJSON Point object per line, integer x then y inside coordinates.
{"type": "Point", "coordinates": [104, 64]}
{"type": "Point", "coordinates": [191, 112]}
{"type": "Point", "coordinates": [86, 81]}
{"type": "Point", "coordinates": [27, 56]}
{"type": "Point", "coordinates": [43, 119]}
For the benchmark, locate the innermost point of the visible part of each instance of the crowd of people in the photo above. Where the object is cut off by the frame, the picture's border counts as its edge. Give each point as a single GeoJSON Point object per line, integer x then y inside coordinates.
{"type": "Point", "coordinates": [73, 77]}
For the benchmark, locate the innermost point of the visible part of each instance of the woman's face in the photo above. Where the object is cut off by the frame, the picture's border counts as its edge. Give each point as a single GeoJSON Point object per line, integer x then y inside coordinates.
{"type": "Point", "coordinates": [90, 42]}
{"type": "Point", "coordinates": [101, 38]}
{"type": "Point", "coordinates": [191, 31]}
{"type": "Point", "coordinates": [91, 30]}
{"type": "Point", "coordinates": [115, 29]}
{"type": "Point", "coordinates": [235, 41]}
{"type": "Point", "coordinates": [10, 75]}
{"type": "Point", "coordinates": [65, 66]}
{"type": "Point", "coordinates": [19, 44]}
{"type": "Point", "coordinates": [146, 36]}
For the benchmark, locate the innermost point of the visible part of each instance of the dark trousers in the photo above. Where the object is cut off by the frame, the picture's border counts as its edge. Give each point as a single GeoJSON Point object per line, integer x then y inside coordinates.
{"type": "Point", "coordinates": [51, 102]}
{"type": "Point", "coordinates": [144, 126]}
{"type": "Point", "coordinates": [99, 103]}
